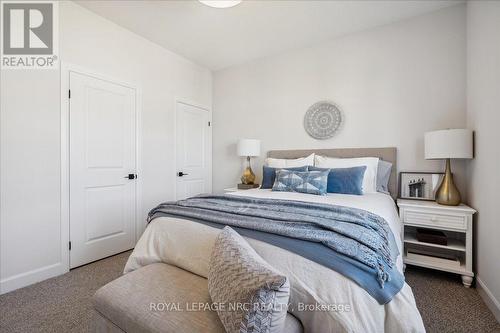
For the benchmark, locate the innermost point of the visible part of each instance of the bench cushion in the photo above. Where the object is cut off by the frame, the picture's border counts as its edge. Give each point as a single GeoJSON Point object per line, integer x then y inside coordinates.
{"type": "Point", "coordinates": [129, 302]}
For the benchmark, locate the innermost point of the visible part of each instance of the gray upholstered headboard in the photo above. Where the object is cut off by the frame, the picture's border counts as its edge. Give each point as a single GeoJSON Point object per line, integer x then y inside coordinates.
{"type": "Point", "coordinates": [387, 154]}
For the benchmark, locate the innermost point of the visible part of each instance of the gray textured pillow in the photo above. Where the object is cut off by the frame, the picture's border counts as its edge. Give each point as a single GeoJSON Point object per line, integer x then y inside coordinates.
{"type": "Point", "coordinates": [383, 175]}
{"type": "Point", "coordinates": [254, 295]}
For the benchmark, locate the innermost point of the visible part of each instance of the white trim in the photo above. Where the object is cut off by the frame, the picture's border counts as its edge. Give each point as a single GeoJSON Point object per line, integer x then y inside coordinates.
{"type": "Point", "coordinates": [64, 206]}
{"type": "Point", "coordinates": [488, 297]}
{"type": "Point", "coordinates": [27, 278]}
{"type": "Point", "coordinates": [140, 222]}
{"type": "Point", "coordinates": [66, 68]}
{"type": "Point", "coordinates": [193, 103]}
{"type": "Point", "coordinates": [185, 101]}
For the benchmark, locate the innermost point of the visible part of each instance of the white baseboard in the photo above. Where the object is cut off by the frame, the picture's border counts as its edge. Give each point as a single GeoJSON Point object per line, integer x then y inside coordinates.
{"type": "Point", "coordinates": [488, 298]}
{"type": "Point", "coordinates": [34, 276]}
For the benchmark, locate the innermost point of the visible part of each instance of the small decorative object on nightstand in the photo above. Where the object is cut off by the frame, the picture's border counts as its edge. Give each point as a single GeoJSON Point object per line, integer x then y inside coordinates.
{"type": "Point", "coordinates": [247, 186]}
{"type": "Point", "coordinates": [455, 222]}
{"type": "Point", "coordinates": [248, 148]}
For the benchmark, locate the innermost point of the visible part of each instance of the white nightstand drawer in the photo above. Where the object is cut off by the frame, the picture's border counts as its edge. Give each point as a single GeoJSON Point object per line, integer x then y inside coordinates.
{"type": "Point", "coordinates": [435, 219]}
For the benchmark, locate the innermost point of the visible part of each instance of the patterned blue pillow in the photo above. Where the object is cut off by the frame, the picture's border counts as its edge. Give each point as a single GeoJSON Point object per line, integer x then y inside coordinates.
{"type": "Point", "coordinates": [345, 180]}
{"type": "Point", "coordinates": [311, 182]}
{"type": "Point", "coordinates": [269, 175]}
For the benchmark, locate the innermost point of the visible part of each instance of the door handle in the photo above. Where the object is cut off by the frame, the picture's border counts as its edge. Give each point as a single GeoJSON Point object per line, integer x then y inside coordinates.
{"type": "Point", "coordinates": [180, 174]}
{"type": "Point", "coordinates": [131, 176]}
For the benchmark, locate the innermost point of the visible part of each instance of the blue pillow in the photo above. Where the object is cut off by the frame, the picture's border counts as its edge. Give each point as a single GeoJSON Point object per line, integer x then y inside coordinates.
{"type": "Point", "coordinates": [310, 182]}
{"type": "Point", "coordinates": [269, 175]}
{"type": "Point", "coordinates": [345, 180]}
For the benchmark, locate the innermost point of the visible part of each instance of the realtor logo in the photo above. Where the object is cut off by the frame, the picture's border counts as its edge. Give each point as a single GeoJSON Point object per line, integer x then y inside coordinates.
{"type": "Point", "coordinates": [29, 35]}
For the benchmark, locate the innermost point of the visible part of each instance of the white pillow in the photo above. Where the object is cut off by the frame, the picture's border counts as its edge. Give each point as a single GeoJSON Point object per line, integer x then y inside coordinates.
{"type": "Point", "coordinates": [371, 163]}
{"type": "Point", "coordinates": [290, 163]}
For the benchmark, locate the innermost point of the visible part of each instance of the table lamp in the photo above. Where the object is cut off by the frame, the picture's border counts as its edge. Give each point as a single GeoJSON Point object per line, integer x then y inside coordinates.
{"type": "Point", "coordinates": [248, 148]}
{"type": "Point", "coordinates": [448, 144]}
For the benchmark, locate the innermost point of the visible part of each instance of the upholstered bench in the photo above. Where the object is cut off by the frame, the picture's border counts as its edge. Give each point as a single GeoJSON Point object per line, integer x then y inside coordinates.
{"type": "Point", "coordinates": [155, 299]}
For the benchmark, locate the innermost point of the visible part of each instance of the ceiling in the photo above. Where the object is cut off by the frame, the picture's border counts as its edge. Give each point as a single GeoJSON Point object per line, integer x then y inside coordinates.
{"type": "Point", "coordinates": [220, 38]}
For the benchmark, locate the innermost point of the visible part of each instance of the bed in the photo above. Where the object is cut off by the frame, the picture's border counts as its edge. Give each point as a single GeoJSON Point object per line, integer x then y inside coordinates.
{"type": "Point", "coordinates": [187, 244]}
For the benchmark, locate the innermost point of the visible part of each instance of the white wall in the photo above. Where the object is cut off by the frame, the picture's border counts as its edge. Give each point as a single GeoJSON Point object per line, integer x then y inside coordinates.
{"type": "Point", "coordinates": [393, 83]}
{"type": "Point", "coordinates": [483, 116]}
{"type": "Point", "coordinates": [29, 177]}
{"type": "Point", "coordinates": [30, 226]}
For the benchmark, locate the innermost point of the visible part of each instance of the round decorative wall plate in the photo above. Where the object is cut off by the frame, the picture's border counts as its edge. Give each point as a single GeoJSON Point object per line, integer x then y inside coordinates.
{"type": "Point", "coordinates": [322, 120]}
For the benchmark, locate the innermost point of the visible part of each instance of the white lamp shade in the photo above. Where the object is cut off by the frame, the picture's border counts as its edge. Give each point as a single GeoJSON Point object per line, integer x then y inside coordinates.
{"type": "Point", "coordinates": [220, 3]}
{"type": "Point", "coordinates": [248, 147]}
{"type": "Point", "coordinates": [449, 143]}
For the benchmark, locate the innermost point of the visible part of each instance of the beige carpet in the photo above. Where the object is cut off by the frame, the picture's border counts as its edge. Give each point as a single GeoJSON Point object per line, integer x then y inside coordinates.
{"type": "Point", "coordinates": [62, 304]}
{"type": "Point", "coordinates": [446, 305]}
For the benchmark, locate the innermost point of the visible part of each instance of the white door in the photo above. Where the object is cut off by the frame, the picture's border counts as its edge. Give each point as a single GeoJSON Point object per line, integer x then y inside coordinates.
{"type": "Point", "coordinates": [193, 147]}
{"type": "Point", "coordinates": [102, 155]}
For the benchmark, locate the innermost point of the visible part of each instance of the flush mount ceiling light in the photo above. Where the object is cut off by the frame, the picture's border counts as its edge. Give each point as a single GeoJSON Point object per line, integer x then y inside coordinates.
{"type": "Point", "coordinates": [220, 3]}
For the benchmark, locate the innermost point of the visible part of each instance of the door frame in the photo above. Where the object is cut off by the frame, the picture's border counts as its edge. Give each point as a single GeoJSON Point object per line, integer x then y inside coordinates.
{"type": "Point", "coordinates": [139, 226]}
{"type": "Point", "coordinates": [185, 101]}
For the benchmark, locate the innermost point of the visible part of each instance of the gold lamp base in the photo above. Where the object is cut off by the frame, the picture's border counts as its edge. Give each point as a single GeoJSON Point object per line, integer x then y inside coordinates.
{"type": "Point", "coordinates": [447, 193]}
{"type": "Point", "coordinates": [248, 177]}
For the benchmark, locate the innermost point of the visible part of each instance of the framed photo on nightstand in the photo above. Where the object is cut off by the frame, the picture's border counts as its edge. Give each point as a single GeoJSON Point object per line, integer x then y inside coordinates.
{"type": "Point", "coordinates": [419, 185]}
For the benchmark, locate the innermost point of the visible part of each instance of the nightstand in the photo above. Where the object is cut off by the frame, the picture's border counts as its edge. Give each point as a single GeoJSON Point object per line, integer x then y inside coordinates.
{"type": "Point", "coordinates": [454, 221]}
{"type": "Point", "coordinates": [237, 188]}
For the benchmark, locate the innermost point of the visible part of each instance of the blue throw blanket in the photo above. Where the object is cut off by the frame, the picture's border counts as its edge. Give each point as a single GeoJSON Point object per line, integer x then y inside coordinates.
{"type": "Point", "coordinates": [353, 242]}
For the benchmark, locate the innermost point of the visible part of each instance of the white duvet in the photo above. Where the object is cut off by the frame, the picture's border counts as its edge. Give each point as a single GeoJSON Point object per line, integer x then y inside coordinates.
{"type": "Point", "coordinates": [350, 308]}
